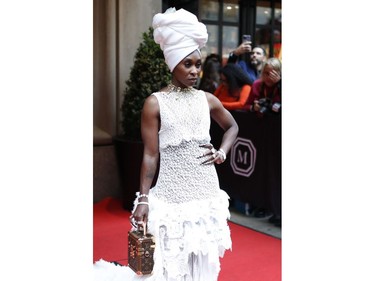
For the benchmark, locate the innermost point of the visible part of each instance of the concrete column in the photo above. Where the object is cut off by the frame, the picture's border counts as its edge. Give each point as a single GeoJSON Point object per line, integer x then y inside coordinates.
{"type": "Point", "coordinates": [135, 17]}
{"type": "Point", "coordinates": [118, 28]}
{"type": "Point", "coordinates": [104, 49]}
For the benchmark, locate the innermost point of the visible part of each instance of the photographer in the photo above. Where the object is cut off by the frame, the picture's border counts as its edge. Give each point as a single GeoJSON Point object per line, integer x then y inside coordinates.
{"type": "Point", "coordinates": [265, 94]}
{"type": "Point", "coordinates": [265, 99]}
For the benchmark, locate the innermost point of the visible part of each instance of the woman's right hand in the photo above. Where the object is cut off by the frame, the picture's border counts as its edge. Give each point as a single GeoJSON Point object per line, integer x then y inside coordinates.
{"type": "Point", "coordinates": [274, 76]}
{"type": "Point", "coordinates": [140, 215]}
{"type": "Point", "coordinates": [243, 48]}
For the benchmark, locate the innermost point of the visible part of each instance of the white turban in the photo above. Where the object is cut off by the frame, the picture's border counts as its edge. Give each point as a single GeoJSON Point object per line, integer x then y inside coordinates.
{"type": "Point", "coordinates": [179, 33]}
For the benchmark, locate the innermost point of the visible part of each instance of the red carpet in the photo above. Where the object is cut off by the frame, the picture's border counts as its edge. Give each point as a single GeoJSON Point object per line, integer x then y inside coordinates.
{"type": "Point", "coordinates": [254, 257]}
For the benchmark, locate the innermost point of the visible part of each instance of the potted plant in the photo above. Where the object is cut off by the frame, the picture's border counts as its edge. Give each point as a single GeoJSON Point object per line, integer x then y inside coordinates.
{"type": "Point", "coordinates": [149, 74]}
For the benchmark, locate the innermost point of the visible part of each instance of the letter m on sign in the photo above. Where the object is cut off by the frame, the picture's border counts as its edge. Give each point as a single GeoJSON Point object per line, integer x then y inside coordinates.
{"type": "Point", "coordinates": [243, 157]}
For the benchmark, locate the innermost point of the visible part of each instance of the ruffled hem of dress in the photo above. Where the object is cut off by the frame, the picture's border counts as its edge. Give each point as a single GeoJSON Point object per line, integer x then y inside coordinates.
{"type": "Point", "coordinates": [198, 227]}
{"type": "Point", "coordinates": [215, 209]}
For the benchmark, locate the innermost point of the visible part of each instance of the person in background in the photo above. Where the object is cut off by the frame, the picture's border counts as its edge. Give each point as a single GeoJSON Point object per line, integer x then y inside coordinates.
{"type": "Point", "coordinates": [234, 89]}
{"type": "Point", "coordinates": [210, 74]}
{"type": "Point", "coordinates": [185, 211]}
{"type": "Point", "coordinates": [254, 64]}
{"type": "Point", "coordinates": [265, 98]}
{"type": "Point", "coordinates": [266, 91]}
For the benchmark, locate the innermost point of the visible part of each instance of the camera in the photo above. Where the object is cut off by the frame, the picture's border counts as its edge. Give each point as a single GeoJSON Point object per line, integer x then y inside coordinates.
{"type": "Point", "coordinates": [265, 104]}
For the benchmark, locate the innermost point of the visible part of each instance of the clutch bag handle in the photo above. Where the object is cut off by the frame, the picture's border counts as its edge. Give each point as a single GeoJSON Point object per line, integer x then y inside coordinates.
{"type": "Point", "coordinates": [143, 227]}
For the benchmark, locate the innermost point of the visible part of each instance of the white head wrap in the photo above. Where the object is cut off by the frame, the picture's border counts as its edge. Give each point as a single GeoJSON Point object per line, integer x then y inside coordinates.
{"type": "Point", "coordinates": [179, 33]}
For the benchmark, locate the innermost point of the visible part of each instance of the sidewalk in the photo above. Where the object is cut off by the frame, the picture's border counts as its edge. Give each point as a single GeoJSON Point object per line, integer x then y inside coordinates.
{"type": "Point", "coordinates": [258, 224]}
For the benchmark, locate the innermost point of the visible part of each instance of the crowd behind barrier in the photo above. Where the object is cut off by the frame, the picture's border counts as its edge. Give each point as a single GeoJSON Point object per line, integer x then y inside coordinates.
{"type": "Point", "coordinates": [252, 171]}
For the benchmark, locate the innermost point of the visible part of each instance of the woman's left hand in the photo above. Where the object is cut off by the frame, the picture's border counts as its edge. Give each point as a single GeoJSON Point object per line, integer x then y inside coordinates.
{"type": "Point", "coordinates": [215, 156]}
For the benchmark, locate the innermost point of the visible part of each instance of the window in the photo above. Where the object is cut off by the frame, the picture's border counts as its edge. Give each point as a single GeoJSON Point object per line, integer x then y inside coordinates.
{"type": "Point", "coordinates": [209, 10]}
{"type": "Point", "coordinates": [231, 11]}
{"type": "Point", "coordinates": [268, 27]}
{"type": "Point", "coordinates": [222, 20]}
{"type": "Point", "coordinates": [212, 46]}
{"type": "Point", "coordinates": [230, 38]}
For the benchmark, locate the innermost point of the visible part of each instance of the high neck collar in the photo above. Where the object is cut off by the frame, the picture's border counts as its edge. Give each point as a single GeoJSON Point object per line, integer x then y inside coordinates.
{"type": "Point", "coordinates": [173, 88]}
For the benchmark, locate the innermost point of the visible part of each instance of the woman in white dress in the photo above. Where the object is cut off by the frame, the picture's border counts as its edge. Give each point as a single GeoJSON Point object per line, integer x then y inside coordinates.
{"type": "Point", "coordinates": [186, 210]}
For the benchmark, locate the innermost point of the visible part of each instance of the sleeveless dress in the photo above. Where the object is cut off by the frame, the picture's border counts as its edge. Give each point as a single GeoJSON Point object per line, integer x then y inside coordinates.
{"type": "Point", "coordinates": [188, 211]}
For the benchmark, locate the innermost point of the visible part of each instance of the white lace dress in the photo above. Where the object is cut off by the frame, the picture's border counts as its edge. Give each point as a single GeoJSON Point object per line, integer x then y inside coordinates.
{"type": "Point", "coordinates": [188, 211]}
